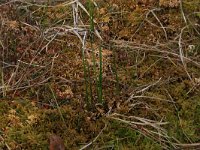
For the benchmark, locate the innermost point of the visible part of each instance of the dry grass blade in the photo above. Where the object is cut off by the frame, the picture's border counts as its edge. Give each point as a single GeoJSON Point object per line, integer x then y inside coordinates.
{"type": "Point", "coordinates": [182, 54]}
{"type": "Point", "coordinates": [132, 46]}
{"type": "Point", "coordinates": [3, 140]}
{"type": "Point", "coordinates": [147, 127]}
{"type": "Point", "coordinates": [163, 28]}
{"type": "Point", "coordinates": [194, 146]}
{"type": "Point", "coordinates": [90, 143]}
{"type": "Point", "coordinates": [142, 90]}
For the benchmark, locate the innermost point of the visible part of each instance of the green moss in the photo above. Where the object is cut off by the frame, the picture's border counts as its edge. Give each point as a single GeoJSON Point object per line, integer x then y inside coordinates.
{"type": "Point", "coordinates": [124, 137]}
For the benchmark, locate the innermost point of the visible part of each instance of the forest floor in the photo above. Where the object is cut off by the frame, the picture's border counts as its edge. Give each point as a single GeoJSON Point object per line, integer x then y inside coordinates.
{"type": "Point", "coordinates": [109, 74]}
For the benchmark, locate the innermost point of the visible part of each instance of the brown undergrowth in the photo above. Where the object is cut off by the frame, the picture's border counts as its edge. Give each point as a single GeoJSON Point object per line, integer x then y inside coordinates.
{"type": "Point", "coordinates": [150, 74]}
